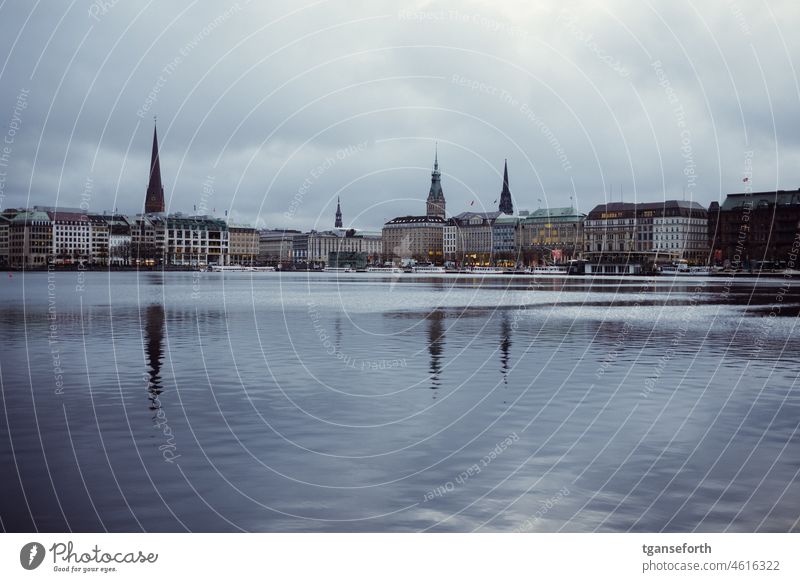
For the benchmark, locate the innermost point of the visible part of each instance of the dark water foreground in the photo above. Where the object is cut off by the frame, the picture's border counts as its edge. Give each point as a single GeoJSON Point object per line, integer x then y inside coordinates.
{"type": "Point", "coordinates": [311, 402]}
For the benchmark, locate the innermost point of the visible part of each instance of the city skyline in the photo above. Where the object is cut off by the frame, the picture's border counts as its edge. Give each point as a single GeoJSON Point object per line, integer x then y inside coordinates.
{"type": "Point", "coordinates": [655, 124]}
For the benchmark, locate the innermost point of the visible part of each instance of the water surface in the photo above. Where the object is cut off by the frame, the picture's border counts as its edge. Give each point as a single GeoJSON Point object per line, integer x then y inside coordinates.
{"type": "Point", "coordinates": [369, 402]}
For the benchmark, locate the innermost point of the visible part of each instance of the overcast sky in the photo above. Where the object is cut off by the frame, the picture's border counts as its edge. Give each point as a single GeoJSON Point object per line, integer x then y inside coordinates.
{"type": "Point", "coordinates": [271, 110]}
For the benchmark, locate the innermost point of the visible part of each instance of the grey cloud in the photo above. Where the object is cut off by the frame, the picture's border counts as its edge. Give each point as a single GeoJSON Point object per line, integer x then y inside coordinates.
{"type": "Point", "coordinates": [262, 95]}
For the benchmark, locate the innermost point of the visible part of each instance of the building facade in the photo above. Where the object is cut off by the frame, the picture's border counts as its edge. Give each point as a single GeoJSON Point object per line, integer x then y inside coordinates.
{"type": "Point", "coordinates": [474, 237]}
{"type": "Point", "coordinates": [30, 239]}
{"type": "Point", "coordinates": [5, 225]}
{"type": "Point", "coordinates": [244, 245]}
{"type": "Point", "coordinates": [414, 237]}
{"type": "Point", "coordinates": [196, 241]}
{"type": "Point", "coordinates": [72, 237]}
{"type": "Point", "coordinates": [322, 244]}
{"type": "Point", "coordinates": [647, 233]}
{"type": "Point", "coordinates": [505, 241]}
{"type": "Point", "coordinates": [751, 230]}
{"type": "Point", "coordinates": [99, 239]}
{"type": "Point", "coordinates": [550, 235]}
{"type": "Point", "coordinates": [275, 247]}
{"type": "Point", "coordinates": [119, 240]}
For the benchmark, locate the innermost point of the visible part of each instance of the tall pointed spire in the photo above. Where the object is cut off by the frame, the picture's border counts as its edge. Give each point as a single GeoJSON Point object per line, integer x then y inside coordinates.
{"type": "Point", "coordinates": [154, 201]}
{"type": "Point", "coordinates": [338, 223]}
{"type": "Point", "coordinates": [436, 204]}
{"type": "Point", "coordinates": [506, 206]}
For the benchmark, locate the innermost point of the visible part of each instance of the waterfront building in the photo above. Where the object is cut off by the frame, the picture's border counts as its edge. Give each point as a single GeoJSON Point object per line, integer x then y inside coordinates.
{"type": "Point", "coordinates": [550, 235]}
{"type": "Point", "coordinates": [119, 240]}
{"type": "Point", "coordinates": [484, 238]}
{"type": "Point", "coordinates": [196, 241]}
{"type": "Point", "coordinates": [276, 247]}
{"type": "Point", "coordinates": [646, 233]}
{"type": "Point", "coordinates": [148, 239]}
{"type": "Point", "coordinates": [678, 227]}
{"type": "Point", "coordinates": [474, 237]}
{"type": "Point", "coordinates": [347, 260]}
{"type": "Point", "coordinates": [755, 229]}
{"type": "Point", "coordinates": [244, 245]}
{"type": "Point", "coordinates": [419, 238]}
{"type": "Point", "coordinates": [300, 249]}
{"type": "Point", "coordinates": [72, 242]}
{"type": "Point", "coordinates": [30, 239]}
{"type": "Point", "coordinates": [321, 244]}
{"type": "Point", "coordinates": [451, 245]}
{"type": "Point", "coordinates": [505, 241]}
{"type": "Point", "coordinates": [5, 224]}
{"type": "Point", "coordinates": [98, 239]}
{"type": "Point", "coordinates": [414, 237]}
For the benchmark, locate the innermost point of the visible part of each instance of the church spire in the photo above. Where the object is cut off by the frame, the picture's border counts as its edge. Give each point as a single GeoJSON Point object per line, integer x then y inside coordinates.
{"type": "Point", "coordinates": [436, 205]}
{"type": "Point", "coordinates": [154, 201]}
{"type": "Point", "coordinates": [506, 206]}
{"type": "Point", "coordinates": [338, 223]}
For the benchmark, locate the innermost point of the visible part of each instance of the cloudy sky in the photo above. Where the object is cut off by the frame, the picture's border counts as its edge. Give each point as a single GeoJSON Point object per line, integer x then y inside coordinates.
{"type": "Point", "coordinates": [270, 110]}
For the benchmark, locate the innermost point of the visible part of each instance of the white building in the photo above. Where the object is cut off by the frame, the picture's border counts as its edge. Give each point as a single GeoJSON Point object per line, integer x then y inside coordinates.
{"type": "Point", "coordinates": [196, 241]}
{"type": "Point", "coordinates": [321, 244]}
{"type": "Point", "coordinates": [72, 237]}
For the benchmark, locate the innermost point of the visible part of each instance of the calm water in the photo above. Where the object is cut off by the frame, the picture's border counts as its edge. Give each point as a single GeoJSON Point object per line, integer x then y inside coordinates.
{"type": "Point", "coordinates": [296, 402]}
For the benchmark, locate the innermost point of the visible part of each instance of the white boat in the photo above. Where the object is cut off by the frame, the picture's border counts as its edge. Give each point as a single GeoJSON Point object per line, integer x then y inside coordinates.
{"type": "Point", "coordinates": [338, 270]}
{"type": "Point", "coordinates": [384, 270]}
{"type": "Point", "coordinates": [682, 268]}
{"type": "Point", "coordinates": [239, 269]}
{"type": "Point", "coordinates": [486, 271]}
{"type": "Point", "coordinates": [551, 270]}
{"type": "Point", "coordinates": [427, 269]}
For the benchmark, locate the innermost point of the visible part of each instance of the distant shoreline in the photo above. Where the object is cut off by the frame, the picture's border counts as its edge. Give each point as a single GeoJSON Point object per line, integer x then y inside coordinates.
{"type": "Point", "coordinates": [171, 269]}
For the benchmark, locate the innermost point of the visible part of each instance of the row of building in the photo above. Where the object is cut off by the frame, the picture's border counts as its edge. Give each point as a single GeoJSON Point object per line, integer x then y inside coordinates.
{"type": "Point", "coordinates": [749, 228]}
{"type": "Point", "coordinates": [36, 237]}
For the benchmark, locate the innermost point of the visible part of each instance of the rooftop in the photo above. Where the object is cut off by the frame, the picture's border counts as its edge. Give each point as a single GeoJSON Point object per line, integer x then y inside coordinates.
{"type": "Point", "coordinates": [756, 199]}
{"type": "Point", "coordinates": [417, 220]}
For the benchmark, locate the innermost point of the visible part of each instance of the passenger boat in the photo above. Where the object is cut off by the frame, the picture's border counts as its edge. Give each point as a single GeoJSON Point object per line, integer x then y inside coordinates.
{"type": "Point", "coordinates": [682, 268]}
{"type": "Point", "coordinates": [427, 269]}
{"type": "Point", "coordinates": [238, 269]}
{"type": "Point", "coordinates": [551, 270]}
{"type": "Point", "coordinates": [486, 271]}
{"type": "Point", "coordinates": [384, 270]}
{"type": "Point", "coordinates": [338, 270]}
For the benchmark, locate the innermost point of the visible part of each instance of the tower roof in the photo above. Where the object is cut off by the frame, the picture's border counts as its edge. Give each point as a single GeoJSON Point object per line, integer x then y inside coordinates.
{"type": "Point", "coordinates": [338, 221]}
{"type": "Point", "coordinates": [506, 205]}
{"type": "Point", "coordinates": [154, 201]}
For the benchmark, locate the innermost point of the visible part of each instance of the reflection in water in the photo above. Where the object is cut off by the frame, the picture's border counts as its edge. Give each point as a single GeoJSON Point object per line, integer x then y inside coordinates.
{"type": "Point", "coordinates": [505, 345]}
{"type": "Point", "coordinates": [154, 352]}
{"type": "Point", "coordinates": [435, 345]}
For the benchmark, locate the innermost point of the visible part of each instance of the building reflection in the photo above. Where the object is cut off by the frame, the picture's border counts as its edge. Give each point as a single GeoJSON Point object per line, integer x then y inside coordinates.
{"type": "Point", "coordinates": [435, 345]}
{"type": "Point", "coordinates": [154, 351]}
{"type": "Point", "coordinates": [505, 345]}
